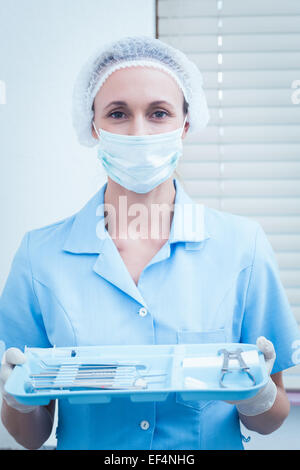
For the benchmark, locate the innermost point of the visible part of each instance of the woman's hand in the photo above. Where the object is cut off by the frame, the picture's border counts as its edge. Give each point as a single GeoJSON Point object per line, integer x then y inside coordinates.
{"type": "Point", "coordinates": [10, 359]}
{"type": "Point", "coordinates": [266, 396]}
{"type": "Point", "coordinates": [30, 425]}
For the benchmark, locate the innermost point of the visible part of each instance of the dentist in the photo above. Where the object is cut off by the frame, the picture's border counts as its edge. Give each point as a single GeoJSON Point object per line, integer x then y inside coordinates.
{"type": "Point", "coordinates": [185, 274]}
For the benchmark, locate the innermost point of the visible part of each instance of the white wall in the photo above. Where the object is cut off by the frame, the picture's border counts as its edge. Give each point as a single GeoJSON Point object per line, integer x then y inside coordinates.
{"type": "Point", "coordinates": [285, 438]}
{"type": "Point", "coordinates": [45, 175]}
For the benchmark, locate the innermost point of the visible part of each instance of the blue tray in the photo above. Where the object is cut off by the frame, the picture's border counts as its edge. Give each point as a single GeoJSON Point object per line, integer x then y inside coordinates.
{"type": "Point", "coordinates": [171, 367]}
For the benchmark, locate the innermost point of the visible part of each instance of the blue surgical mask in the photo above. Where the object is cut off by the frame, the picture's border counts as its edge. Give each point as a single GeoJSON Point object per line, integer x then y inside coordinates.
{"type": "Point", "coordinates": [139, 163]}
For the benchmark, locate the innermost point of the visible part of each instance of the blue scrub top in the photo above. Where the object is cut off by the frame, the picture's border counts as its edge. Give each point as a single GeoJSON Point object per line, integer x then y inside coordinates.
{"type": "Point", "coordinates": [216, 279]}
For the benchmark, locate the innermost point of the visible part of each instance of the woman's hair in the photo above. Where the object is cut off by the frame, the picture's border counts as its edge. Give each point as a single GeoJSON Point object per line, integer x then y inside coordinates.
{"type": "Point", "coordinates": [185, 106]}
{"type": "Point", "coordinates": [185, 111]}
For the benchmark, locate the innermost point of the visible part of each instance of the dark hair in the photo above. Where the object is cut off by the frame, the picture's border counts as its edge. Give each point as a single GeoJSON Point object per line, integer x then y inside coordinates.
{"type": "Point", "coordinates": [185, 106]}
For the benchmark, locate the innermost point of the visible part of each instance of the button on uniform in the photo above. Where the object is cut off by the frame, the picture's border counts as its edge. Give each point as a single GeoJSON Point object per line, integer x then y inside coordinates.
{"type": "Point", "coordinates": [143, 312]}
{"type": "Point", "coordinates": [144, 425]}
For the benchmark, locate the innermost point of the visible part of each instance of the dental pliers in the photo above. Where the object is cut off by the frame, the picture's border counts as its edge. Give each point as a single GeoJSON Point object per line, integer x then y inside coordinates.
{"type": "Point", "coordinates": [228, 355]}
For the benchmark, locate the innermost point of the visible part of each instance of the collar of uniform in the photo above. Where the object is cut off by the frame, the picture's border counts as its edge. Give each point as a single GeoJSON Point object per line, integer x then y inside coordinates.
{"type": "Point", "coordinates": [188, 224]}
{"type": "Point", "coordinates": [88, 232]}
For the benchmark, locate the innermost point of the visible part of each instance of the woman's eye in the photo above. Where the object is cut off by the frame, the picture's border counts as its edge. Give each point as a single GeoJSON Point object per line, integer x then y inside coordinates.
{"type": "Point", "coordinates": [156, 114]}
{"type": "Point", "coordinates": [116, 112]}
{"type": "Point", "coordinates": [160, 112]}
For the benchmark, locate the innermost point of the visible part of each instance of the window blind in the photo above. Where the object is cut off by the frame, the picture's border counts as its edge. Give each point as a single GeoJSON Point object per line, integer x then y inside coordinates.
{"type": "Point", "coordinates": [247, 160]}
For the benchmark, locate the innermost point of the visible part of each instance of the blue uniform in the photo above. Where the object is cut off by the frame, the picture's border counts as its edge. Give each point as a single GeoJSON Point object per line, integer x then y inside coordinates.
{"type": "Point", "coordinates": [216, 279]}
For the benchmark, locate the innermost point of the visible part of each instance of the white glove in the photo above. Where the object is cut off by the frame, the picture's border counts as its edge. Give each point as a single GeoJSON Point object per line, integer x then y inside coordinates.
{"type": "Point", "coordinates": [10, 359]}
{"type": "Point", "coordinates": [266, 396]}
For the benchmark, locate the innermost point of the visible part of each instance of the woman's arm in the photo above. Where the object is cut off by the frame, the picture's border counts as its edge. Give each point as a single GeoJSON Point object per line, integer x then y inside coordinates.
{"type": "Point", "coordinates": [269, 421]}
{"type": "Point", "coordinates": [32, 429]}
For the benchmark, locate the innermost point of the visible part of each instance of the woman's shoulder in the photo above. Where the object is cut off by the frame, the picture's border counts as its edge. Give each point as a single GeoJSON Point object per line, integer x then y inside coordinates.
{"type": "Point", "coordinates": [224, 224]}
{"type": "Point", "coordinates": [222, 216]}
{"type": "Point", "coordinates": [50, 236]}
{"type": "Point", "coordinates": [56, 233]}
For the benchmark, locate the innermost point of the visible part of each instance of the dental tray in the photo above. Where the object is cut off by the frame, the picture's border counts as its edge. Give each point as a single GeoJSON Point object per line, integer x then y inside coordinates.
{"type": "Point", "coordinates": [97, 374]}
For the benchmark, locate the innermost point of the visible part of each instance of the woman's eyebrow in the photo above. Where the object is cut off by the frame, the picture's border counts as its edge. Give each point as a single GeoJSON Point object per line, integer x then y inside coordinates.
{"type": "Point", "coordinates": [123, 103]}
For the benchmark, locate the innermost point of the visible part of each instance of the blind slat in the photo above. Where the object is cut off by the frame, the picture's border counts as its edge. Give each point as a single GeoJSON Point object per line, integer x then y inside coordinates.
{"type": "Point", "coordinates": [251, 206]}
{"type": "Point", "coordinates": [244, 187]}
{"type": "Point", "coordinates": [247, 60]}
{"type": "Point", "coordinates": [235, 43]}
{"type": "Point", "coordinates": [255, 115]}
{"type": "Point", "coordinates": [230, 25]}
{"type": "Point", "coordinates": [289, 242]}
{"type": "Point", "coordinates": [288, 261]}
{"type": "Point", "coordinates": [250, 78]}
{"type": "Point", "coordinates": [249, 134]}
{"type": "Point", "coordinates": [195, 150]}
{"type": "Point", "coordinates": [230, 7]}
{"type": "Point", "coordinates": [251, 97]}
{"type": "Point", "coordinates": [280, 224]}
{"type": "Point", "coordinates": [240, 170]}
{"type": "Point", "coordinates": [290, 277]}
{"type": "Point", "coordinates": [252, 134]}
{"type": "Point", "coordinates": [293, 295]}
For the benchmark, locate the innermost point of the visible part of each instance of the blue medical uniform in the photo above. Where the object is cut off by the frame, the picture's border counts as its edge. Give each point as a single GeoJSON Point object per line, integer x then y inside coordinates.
{"type": "Point", "coordinates": [216, 279]}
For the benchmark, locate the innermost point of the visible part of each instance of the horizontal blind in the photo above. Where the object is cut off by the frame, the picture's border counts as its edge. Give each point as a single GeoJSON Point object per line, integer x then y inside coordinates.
{"type": "Point", "coordinates": [247, 160]}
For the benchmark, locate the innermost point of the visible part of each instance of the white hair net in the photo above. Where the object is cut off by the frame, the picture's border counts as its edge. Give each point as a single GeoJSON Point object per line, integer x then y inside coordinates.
{"type": "Point", "coordinates": [133, 51]}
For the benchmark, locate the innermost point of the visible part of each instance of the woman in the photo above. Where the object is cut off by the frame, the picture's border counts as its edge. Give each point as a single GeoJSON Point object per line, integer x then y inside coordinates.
{"type": "Point", "coordinates": [191, 274]}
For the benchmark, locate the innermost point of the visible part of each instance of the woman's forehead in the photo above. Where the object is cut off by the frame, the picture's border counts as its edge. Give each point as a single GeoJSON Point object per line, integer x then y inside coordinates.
{"type": "Point", "coordinates": [145, 83]}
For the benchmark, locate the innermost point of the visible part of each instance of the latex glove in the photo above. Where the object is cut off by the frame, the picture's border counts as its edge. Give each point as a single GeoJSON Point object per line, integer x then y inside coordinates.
{"type": "Point", "coordinates": [266, 396]}
{"type": "Point", "coordinates": [10, 359]}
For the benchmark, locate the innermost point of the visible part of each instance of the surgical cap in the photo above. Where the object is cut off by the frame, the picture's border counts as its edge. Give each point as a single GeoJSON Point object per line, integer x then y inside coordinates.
{"type": "Point", "coordinates": [134, 51]}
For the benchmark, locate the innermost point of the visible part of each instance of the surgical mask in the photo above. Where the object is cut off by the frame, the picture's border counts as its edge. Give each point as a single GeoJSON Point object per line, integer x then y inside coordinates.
{"type": "Point", "coordinates": [139, 163]}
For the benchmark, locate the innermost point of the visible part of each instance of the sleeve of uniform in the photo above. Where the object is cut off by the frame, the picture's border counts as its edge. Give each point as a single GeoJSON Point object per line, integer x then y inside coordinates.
{"type": "Point", "coordinates": [267, 310]}
{"type": "Point", "coordinates": [21, 321]}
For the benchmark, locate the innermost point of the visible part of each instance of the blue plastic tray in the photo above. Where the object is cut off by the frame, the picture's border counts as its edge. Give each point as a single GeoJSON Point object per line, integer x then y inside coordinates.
{"type": "Point", "coordinates": [173, 361]}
